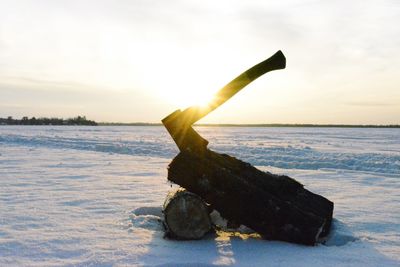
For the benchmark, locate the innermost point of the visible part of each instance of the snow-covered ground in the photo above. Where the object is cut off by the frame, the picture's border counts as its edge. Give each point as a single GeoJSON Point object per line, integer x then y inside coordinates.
{"type": "Point", "coordinates": [92, 196]}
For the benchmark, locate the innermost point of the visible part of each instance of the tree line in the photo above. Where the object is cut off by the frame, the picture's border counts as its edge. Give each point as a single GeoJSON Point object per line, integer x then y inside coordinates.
{"type": "Point", "coordinates": [79, 120]}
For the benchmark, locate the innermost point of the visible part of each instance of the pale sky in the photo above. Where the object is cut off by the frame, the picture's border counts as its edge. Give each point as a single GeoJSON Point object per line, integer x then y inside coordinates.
{"type": "Point", "coordinates": [139, 60]}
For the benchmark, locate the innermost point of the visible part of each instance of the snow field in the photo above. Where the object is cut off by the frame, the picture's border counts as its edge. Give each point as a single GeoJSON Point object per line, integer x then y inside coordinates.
{"type": "Point", "coordinates": [92, 196]}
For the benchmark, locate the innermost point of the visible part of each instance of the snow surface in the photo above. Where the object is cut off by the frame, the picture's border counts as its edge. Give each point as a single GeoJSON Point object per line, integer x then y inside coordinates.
{"type": "Point", "coordinates": [92, 196]}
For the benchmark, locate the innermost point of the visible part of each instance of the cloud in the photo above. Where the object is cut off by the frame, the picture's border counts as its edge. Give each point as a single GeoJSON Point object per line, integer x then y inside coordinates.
{"type": "Point", "coordinates": [337, 52]}
{"type": "Point", "coordinates": [369, 104]}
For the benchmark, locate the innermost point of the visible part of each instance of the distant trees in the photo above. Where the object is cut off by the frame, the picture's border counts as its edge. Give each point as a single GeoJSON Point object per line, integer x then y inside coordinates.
{"type": "Point", "coordinates": [79, 120]}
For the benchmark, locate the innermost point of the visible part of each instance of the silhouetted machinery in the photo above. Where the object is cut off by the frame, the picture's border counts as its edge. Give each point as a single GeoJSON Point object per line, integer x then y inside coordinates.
{"type": "Point", "coordinates": [275, 206]}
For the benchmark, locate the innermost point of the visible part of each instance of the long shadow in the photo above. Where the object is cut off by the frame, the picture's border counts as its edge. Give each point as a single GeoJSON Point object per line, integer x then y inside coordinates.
{"type": "Point", "coordinates": [230, 248]}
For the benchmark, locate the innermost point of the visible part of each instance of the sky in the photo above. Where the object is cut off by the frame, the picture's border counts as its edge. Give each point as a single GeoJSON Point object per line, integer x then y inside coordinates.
{"type": "Point", "coordinates": [139, 60]}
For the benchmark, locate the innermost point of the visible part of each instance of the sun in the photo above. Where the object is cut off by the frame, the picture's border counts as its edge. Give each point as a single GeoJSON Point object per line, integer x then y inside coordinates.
{"type": "Point", "coordinates": [201, 98]}
{"type": "Point", "coordinates": [183, 97]}
{"type": "Point", "coordinates": [185, 81]}
{"type": "Point", "coordinates": [188, 91]}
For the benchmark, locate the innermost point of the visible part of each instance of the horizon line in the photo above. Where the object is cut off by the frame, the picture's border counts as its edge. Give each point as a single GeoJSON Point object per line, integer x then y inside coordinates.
{"type": "Point", "coordinates": [257, 124]}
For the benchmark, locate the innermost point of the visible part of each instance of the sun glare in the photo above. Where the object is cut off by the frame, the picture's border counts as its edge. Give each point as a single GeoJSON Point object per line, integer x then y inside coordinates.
{"type": "Point", "coordinates": [184, 93]}
{"type": "Point", "coordinates": [187, 81]}
{"type": "Point", "coordinates": [183, 98]}
{"type": "Point", "coordinates": [202, 98]}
